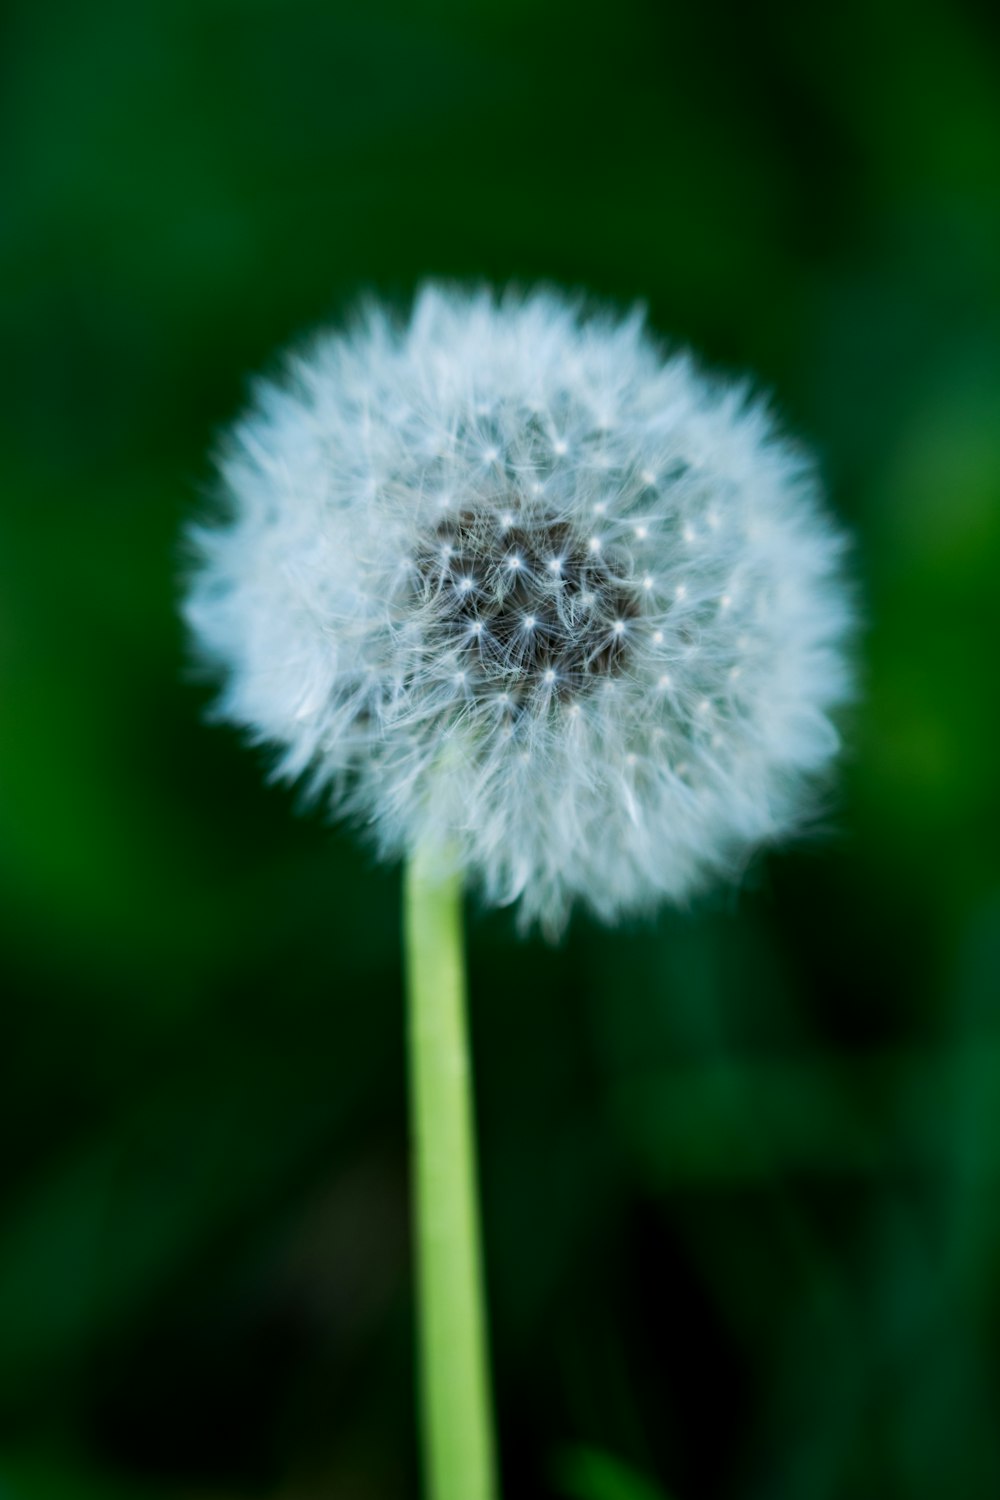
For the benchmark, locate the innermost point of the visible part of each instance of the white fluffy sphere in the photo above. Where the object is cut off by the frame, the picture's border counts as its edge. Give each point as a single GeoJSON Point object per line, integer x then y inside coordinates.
{"type": "Point", "coordinates": [512, 585]}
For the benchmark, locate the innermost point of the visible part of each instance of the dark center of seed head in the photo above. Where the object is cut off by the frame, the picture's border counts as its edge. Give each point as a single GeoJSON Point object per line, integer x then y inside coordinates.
{"type": "Point", "coordinates": [528, 605]}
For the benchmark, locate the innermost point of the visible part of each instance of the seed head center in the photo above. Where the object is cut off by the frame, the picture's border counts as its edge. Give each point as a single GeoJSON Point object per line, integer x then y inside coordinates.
{"type": "Point", "coordinates": [529, 604]}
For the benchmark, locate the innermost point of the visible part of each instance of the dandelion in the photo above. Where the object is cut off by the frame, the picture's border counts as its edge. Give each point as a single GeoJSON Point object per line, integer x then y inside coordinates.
{"type": "Point", "coordinates": [553, 615]}
{"type": "Point", "coordinates": [460, 558]}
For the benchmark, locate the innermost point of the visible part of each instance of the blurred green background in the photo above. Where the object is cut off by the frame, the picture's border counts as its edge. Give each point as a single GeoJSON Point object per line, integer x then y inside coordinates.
{"type": "Point", "coordinates": [741, 1166]}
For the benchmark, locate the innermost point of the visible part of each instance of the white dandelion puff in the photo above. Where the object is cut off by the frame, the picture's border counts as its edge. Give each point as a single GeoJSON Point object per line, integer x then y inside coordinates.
{"type": "Point", "coordinates": [432, 592]}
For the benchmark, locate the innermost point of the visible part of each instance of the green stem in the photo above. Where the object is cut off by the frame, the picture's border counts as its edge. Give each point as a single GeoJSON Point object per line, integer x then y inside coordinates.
{"type": "Point", "coordinates": [459, 1461]}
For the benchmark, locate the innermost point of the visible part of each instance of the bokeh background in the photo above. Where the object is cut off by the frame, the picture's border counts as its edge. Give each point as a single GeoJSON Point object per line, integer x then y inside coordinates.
{"type": "Point", "coordinates": [741, 1165]}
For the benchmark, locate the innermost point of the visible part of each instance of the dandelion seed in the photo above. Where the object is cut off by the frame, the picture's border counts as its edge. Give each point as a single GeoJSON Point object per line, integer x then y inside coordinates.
{"type": "Point", "coordinates": [342, 660]}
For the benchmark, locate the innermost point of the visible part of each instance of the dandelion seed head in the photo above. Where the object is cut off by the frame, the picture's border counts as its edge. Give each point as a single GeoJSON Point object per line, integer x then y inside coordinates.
{"type": "Point", "coordinates": [440, 610]}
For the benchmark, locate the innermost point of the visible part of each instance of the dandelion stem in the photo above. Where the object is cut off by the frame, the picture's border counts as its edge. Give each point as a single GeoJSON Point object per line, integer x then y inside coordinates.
{"type": "Point", "coordinates": [458, 1444]}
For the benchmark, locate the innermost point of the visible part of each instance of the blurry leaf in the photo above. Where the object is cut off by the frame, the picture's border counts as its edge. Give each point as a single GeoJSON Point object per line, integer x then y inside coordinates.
{"type": "Point", "coordinates": [42, 1477]}
{"type": "Point", "coordinates": [216, 1144]}
{"type": "Point", "coordinates": [974, 1121]}
{"type": "Point", "coordinates": [738, 1120]}
{"type": "Point", "coordinates": [586, 1474]}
